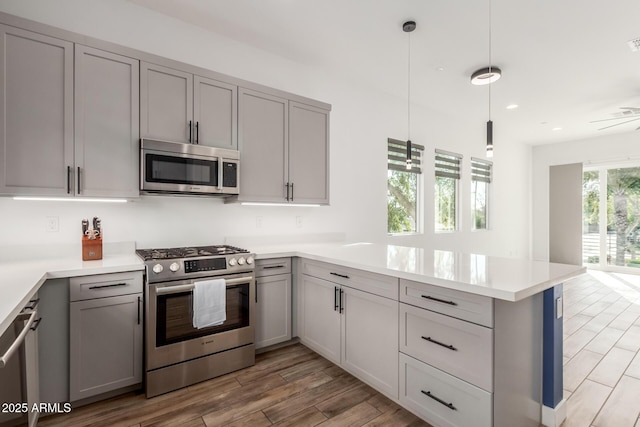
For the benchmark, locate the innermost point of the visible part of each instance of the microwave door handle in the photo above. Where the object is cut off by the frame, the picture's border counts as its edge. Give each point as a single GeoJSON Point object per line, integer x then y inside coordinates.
{"type": "Point", "coordinates": [220, 174]}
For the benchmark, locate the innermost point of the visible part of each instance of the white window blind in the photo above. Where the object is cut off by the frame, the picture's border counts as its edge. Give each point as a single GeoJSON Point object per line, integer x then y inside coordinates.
{"type": "Point", "coordinates": [448, 164]}
{"type": "Point", "coordinates": [397, 156]}
{"type": "Point", "coordinates": [481, 170]}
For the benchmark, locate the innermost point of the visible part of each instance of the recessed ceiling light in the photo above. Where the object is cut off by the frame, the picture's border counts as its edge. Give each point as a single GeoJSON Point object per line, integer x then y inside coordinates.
{"type": "Point", "coordinates": [557, 128]}
{"type": "Point", "coordinates": [512, 106]}
{"type": "Point", "coordinates": [440, 68]}
{"type": "Point", "coordinates": [485, 76]}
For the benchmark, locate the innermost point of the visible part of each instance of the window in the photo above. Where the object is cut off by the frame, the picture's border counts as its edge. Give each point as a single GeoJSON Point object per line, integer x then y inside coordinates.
{"type": "Point", "coordinates": [446, 190]}
{"type": "Point", "coordinates": [480, 180]}
{"type": "Point", "coordinates": [403, 187]}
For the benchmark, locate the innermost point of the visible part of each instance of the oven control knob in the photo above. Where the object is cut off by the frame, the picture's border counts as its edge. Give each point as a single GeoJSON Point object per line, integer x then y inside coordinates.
{"type": "Point", "coordinates": [174, 267]}
{"type": "Point", "coordinates": [232, 262]}
{"type": "Point", "coordinates": [250, 260]}
{"type": "Point", "coordinates": [241, 260]}
{"type": "Point", "coordinates": [158, 268]}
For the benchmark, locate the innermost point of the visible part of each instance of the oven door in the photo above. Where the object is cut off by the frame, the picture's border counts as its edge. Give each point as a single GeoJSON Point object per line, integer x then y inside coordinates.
{"type": "Point", "coordinates": [171, 336]}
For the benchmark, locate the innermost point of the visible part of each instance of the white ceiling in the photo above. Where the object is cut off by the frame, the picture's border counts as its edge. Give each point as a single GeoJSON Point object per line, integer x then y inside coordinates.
{"type": "Point", "coordinates": [564, 62]}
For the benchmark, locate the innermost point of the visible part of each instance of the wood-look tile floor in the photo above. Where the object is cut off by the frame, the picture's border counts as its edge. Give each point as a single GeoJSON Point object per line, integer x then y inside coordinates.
{"type": "Point", "coordinates": [291, 386]}
{"type": "Point", "coordinates": [602, 350]}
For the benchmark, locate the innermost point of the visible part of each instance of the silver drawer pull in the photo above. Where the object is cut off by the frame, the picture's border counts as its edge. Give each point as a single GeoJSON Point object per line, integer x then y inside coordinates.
{"type": "Point", "coordinates": [438, 300]}
{"type": "Point", "coordinates": [20, 338]}
{"type": "Point", "coordinates": [450, 347]}
{"type": "Point", "coordinates": [442, 402]}
{"type": "Point", "coordinates": [344, 276]}
{"type": "Point", "coordinates": [113, 285]}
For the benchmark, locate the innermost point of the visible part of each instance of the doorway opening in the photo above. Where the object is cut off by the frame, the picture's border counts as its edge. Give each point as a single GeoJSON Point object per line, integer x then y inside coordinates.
{"type": "Point", "coordinates": [611, 217]}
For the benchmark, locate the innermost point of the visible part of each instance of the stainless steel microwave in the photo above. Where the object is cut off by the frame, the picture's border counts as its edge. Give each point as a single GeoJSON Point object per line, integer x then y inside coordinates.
{"type": "Point", "coordinates": [188, 169]}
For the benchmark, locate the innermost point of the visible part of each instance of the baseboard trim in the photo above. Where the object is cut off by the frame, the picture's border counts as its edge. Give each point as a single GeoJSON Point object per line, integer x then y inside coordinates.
{"type": "Point", "coordinates": [553, 417]}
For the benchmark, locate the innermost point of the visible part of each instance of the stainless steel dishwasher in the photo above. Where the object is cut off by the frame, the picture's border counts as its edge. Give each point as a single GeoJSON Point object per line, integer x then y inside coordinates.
{"type": "Point", "coordinates": [19, 369]}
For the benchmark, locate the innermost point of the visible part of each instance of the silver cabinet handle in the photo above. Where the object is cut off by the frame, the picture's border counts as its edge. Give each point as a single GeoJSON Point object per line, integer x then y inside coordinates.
{"type": "Point", "coordinates": [18, 341]}
{"type": "Point", "coordinates": [79, 190]}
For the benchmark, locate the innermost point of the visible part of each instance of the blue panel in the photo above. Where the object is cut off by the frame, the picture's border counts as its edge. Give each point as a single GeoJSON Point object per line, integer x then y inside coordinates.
{"type": "Point", "coordinates": [552, 350]}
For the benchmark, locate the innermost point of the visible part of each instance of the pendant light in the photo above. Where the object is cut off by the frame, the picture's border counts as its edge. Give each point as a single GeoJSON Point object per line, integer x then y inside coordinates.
{"type": "Point", "coordinates": [487, 76]}
{"type": "Point", "coordinates": [408, 28]}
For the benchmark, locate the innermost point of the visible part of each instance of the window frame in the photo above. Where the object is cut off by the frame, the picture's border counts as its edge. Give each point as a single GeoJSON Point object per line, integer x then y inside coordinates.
{"type": "Point", "coordinates": [447, 165]}
{"type": "Point", "coordinates": [484, 174]}
{"type": "Point", "coordinates": [395, 159]}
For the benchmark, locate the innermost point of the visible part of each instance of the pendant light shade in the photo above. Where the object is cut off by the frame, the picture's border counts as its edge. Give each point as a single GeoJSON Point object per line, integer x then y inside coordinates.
{"type": "Point", "coordinates": [489, 138]}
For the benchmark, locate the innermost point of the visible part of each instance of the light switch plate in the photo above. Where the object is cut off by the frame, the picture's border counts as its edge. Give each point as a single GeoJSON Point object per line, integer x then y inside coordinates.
{"type": "Point", "coordinates": [559, 308]}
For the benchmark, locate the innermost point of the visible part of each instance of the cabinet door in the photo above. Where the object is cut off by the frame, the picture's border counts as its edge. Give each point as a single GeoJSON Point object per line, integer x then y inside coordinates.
{"type": "Point", "coordinates": [262, 138]}
{"type": "Point", "coordinates": [370, 327]}
{"type": "Point", "coordinates": [319, 322]}
{"type": "Point", "coordinates": [36, 113]}
{"type": "Point", "coordinates": [215, 112]}
{"type": "Point", "coordinates": [107, 124]}
{"type": "Point", "coordinates": [166, 103]}
{"type": "Point", "coordinates": [273, 308]}
{"type": "Point", "coordinates": [105, 345]}
{"type": "Point", "coordinates": [308, 153]}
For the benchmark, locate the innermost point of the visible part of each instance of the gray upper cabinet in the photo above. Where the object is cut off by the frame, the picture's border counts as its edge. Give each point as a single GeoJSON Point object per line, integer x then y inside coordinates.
{"type": "Point", "coordinates": [263, 141]}
{"type": "Point", "coordinates": [106, 124]}
{"type": "Point", "coordinates": [215, 112]}
{"type": "Point", "coordinates": [36, 113]}
{"type": "Point", "coordinates": [308, 154]}
{"type": "Point", "coordinates": [284, 148]}
{"type": "Point", "coordinates": [182, 107]}
{"type": "Point", "coordinates": [166, 103]}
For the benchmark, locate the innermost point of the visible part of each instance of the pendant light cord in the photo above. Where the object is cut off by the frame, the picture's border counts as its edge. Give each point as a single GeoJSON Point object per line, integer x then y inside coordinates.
{"type": "Point", "coordinates": [409, 92]}
{"type": "Point", "coordinates": [490, 63]}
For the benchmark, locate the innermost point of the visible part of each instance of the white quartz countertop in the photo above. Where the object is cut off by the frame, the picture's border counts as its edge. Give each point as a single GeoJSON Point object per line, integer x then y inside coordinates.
{"type": "Point", "coordinates": [502, 278]}
{"type": "Point", "coordinates": [21, 279]}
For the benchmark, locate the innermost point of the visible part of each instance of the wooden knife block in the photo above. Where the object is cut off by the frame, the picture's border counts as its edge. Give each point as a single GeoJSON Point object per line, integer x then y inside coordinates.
{"type": "Point", "coordinates": [91, 248]}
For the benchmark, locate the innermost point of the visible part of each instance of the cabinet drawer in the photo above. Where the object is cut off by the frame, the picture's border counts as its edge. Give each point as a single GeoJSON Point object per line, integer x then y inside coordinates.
{"type": "Point", "coordinates": [105, 285]}
{"type": "Point", "coordinates": [273, 266]}
{"type": "Point", "coordinates": [463, 349]}
{"type": "Point", "coordinates": [378, 284]}
{"type": "Point", "coordinates": [442, 399]}
{"type": "Point", "coordinates": [463, 305]}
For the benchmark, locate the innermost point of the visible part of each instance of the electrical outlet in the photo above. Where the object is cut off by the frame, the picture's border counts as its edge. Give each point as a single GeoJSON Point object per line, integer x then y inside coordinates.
{"type": "Point", "coordinates": [258, 222]}
{"type": "Point", "coordinates": [299, 222]}
{"type": "Point", "coordinates": [52, 224]}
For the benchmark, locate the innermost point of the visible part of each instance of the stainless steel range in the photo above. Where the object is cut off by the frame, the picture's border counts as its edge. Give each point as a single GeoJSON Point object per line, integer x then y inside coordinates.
{"type": "Point", "coordinates": [178, 353]}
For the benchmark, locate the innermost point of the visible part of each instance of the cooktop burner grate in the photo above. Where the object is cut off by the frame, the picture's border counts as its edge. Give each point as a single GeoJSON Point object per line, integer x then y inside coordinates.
{"type": "Point", "coordinates": [189, 252]}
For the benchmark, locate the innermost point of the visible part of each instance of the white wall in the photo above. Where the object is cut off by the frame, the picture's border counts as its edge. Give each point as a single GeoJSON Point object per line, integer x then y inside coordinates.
{"type": "Point", "coordinates": [611, 148]}
{"type": "Point", "coordinates": [361, 120]}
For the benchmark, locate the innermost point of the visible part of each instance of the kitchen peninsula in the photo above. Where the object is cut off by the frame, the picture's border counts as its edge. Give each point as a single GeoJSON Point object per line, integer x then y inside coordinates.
{"type": "Point", "coordinates": [481, 356]}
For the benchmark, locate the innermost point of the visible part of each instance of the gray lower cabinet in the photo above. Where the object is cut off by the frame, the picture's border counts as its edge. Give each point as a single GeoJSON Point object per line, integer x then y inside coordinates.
{"type": "Point", "coordinates": [107, 125]}
{"type": "Point", "coordinates": [176, 105]}
{"type": "Point", "coordinates": [273, 301]}
{"type": "Point", "coordinates": [106, 333]}
{"type": "Point", "coordinates": [36, 113]}
{"type": "Point", "coordinates": [347, 324]}
{"type": "Point", "coordinates": [285, 150]}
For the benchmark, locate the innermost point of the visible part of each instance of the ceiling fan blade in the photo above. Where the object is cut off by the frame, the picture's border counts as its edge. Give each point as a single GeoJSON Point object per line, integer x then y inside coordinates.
{"type": "Point", "coordinates": [630, 108]}
{"type": "Point", "coordinates": [618, 124]}
{"type": "Point", "coordinates": [613, 118]}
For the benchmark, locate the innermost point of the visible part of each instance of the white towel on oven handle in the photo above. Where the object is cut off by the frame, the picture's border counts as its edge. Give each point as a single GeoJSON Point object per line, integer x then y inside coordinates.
{"type": "Point", "coordinates": [209, 303]}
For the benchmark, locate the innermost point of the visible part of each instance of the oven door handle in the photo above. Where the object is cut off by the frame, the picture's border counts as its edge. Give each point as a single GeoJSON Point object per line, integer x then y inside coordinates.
{"type": "Point", "coordinates": [183, 288]}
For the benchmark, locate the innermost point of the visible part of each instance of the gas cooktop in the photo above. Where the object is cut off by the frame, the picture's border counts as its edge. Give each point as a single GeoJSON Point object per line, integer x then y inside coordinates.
{"type": "Point", "coordinates": [189, 252]}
